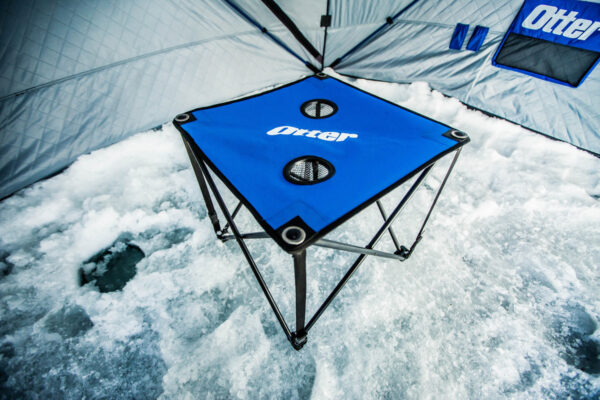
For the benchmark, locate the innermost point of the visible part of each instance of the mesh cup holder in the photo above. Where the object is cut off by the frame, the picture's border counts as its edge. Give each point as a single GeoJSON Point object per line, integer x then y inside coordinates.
{"type": "Point", "coordinates": [318, 108]}
{"type": "Point", "coordinates": [308, 170]}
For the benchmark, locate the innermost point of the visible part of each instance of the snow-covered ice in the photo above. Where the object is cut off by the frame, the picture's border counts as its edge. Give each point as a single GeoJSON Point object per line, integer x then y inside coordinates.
{"type": "Point", "coordinates": [501, 298]}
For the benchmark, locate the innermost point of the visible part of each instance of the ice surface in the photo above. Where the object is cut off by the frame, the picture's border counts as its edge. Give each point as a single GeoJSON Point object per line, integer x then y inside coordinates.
{"type": "Point", "coordinates": [500, 299]}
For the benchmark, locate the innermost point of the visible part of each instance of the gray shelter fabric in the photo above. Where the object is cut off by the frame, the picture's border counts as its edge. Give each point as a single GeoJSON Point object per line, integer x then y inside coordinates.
{"type": "Point", "coordinates": [416, 49]}
{"type": "Point", "coordinates": [79, 75]}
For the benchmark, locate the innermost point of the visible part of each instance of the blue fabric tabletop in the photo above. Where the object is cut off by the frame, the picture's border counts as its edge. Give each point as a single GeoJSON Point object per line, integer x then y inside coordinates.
{"type": "Point", "coordinates": [371, 143]}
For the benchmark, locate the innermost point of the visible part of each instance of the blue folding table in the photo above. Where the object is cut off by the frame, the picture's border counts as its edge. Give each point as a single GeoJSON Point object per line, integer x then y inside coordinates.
{"type": "Point", "coordinates": [303, 159]}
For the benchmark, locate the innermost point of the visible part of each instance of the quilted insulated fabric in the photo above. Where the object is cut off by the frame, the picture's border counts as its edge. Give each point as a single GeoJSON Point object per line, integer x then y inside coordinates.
{"type": "Point", "coordinates": [79, 75]}
{"type": "Point", "coordinates": [415, 48]}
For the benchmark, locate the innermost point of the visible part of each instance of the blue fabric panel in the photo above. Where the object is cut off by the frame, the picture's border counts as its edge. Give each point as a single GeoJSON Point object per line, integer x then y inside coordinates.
{"type": "Point", "coordinates": [477, 38]}
{"type": "Point", "coordinates": [459, 36]}
{"type": "Point", "coordinates": [390, 143]}
{"type": "Point", "coordinates": [569, 23]}
{"type": "Point", "coordinates": [572, 23]}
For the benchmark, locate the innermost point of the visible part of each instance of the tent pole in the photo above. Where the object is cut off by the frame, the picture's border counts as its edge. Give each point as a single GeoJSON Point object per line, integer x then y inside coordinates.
{"type": "Point", "coordinates": [291, 26]}
{"type": "Point", "coordinates": [375, 33]}
{"type": "Point", "coordinates": [325, 24]}
{"type": "Point", "coordinates": [274, 38]}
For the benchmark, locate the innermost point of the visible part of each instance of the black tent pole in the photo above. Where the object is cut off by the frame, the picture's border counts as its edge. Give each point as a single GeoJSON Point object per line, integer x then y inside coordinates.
{"type": "Point", "coordinates": [325, 23]}
{"type": "Point", "coordinates": [388, 22]}
{"type": "Point", "coordinates": [291, 26]}
{"type": "Point", "coordinates": [264, 30]}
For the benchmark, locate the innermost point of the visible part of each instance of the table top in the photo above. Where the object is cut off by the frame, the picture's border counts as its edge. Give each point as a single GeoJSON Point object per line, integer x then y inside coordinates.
{"type": "Point", "coordinates": [360, 145]}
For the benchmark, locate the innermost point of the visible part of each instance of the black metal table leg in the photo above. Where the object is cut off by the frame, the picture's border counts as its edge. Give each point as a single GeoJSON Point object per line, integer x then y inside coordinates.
{"type": "Point", "coordinates": [370, 246]}
{"type": "Point", "coordinates": [246, 252]}
{"type": "Point", "coordinates": [210, 208]}
{"type": "Point", "coordinates": [299, 337]}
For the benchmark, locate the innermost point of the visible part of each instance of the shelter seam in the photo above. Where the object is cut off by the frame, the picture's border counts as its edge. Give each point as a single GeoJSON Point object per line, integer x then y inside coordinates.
{"type": "Point", "coordinates": [122, 62]}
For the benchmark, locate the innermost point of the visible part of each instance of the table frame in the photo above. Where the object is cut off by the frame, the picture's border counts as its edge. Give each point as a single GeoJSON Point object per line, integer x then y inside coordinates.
{"type": "Point", "coordinates": [298, 338]}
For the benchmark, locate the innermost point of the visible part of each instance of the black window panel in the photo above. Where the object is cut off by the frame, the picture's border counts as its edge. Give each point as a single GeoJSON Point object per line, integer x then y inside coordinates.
{"type": "Point", "coordinates": [563, 63]}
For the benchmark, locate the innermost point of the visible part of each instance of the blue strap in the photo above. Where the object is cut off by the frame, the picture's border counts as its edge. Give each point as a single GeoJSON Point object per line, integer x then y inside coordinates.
{"type": "Point", "coordinates": [459, 36]}
{"type": "Point", "coordinates": [477, 38]}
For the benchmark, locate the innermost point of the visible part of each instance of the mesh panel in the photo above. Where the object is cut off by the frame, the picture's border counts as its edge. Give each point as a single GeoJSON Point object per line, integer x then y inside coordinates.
{"type": "Point", "coordinates": [326, 109]}
{"type": "Point", "coordinates": [546, 58]}
{"type": "Point", "coordinates": [318, 108]}
{"type": "Point", "coordinates": [308, 170]}
{"type": "Point", "coordinates": [311, 108]}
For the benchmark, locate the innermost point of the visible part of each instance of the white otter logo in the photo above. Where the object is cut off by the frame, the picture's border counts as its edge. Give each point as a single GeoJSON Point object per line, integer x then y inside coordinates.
{"type": "Point", "coordinates": [552, 20]}
{"type": "Point", "coordinates": [327, 136]}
